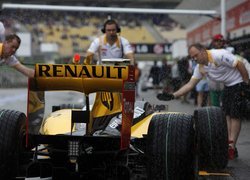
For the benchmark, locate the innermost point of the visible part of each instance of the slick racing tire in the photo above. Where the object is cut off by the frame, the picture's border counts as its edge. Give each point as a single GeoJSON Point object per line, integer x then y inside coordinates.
{"type": "Point", "coordinates": [212, 138]}
{"type": "Point", "coordinates": [170, 147]}
{"type": "Point", "coordinates": [12, 133]}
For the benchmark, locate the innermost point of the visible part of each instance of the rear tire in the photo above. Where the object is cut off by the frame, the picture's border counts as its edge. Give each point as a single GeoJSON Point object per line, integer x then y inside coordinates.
{"type": "Point", "coordinates": [170, 147]}
{"type": "Point", "coordinates": [212, 138]}
{"type": "Point", "coordinates": [12, 133]}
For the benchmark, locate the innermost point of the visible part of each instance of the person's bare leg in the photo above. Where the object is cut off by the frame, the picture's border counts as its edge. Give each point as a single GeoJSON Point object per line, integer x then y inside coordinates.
{"type": "Point", "coordinates": [229, 127]}
{"type": "Point", "coordinates": [199, 99]}
{"type": "Point", "coordinates": [235, 130]}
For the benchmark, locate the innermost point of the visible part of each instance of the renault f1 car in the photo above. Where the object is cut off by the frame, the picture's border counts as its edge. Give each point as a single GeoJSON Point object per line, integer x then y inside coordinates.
{"type": "Point", "coordinates": [116, 137]}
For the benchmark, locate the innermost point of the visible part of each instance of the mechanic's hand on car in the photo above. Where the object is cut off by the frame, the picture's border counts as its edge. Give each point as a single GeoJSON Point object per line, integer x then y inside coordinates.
{"type": "Point", "coordinates": [165, 96]}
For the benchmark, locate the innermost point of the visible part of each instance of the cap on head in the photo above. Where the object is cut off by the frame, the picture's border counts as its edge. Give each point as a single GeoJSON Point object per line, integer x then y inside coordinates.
{"type": "Point", "coordinates": [218, 37]}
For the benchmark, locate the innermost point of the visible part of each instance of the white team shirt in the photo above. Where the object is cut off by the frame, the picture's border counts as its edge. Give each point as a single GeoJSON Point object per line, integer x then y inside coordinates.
{"type": "Point", "coordinates": [11, 61]}
{"type": "Point", "coordinates": [107, 51]}
{"type": "Point", "coordinates": [221, 68]}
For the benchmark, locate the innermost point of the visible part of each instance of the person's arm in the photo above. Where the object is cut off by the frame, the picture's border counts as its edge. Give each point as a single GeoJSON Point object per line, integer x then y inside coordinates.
{"type": "Point", "coordinates": [93, 48]}
{"type": "Point", "coordinates": [88, 58]}
{"type": "Point", "coordinates": [242, 69]}
{"type": "Point", "coordinates": [182, 91]}
{"type": "Point", "coordinates": [24, 70]}
{"type": "Point", "coordinates": [186, 88]}
{"type": "Point", "coordinates": [131, 57]}
{"type": "Point", "coordinates": [127, 50]}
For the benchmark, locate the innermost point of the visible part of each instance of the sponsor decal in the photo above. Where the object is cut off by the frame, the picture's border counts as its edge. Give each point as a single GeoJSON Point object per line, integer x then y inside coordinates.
{"type": "Point", "coordinates": [138, 112]}
{"type": "Point", "coordinates": [117, 122]}
{"type": "Point", "coordinates": [107, 100]}
{"type": "Point", "coordinates": [128, 107]}
{"type": "Point", "coordinates": [158, 49]}
{"type": "Point", "coordinates": [59, 70]}
{"type": "Point", "coordinates": [152, 48]}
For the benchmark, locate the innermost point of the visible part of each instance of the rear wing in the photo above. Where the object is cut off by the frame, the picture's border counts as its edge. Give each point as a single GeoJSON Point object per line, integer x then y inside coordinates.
{"type": "Point", "coordinates": [82, 78]}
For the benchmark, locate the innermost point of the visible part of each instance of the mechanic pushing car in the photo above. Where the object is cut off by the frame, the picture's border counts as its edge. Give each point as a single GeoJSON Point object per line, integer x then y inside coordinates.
{"type": "Point", "coordinates": [221, 66]}
{"type": "Point", "coordinates": [7, 50]}
{"type": "Point", "coordinates": [110, 44]}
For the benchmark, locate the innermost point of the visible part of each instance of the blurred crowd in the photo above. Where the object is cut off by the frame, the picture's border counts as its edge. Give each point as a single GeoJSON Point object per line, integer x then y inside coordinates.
{"type": "Point", "coordinates": [29, 20]}
{"type": "Point", "coordinates": [58, 25]}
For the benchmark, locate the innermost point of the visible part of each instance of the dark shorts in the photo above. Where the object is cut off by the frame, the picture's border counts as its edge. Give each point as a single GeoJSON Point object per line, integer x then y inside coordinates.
{"type": "Point", "coordinates": [232, 101]}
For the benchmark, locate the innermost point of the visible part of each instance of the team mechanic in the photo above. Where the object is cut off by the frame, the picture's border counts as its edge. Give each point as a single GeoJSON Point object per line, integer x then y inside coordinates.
{"type": "Point", "coordinates": [110, 44]}
{"type": "Point", "coordinates": [221, 66]}
{"type": "Point", "coordinates": [7, 50]}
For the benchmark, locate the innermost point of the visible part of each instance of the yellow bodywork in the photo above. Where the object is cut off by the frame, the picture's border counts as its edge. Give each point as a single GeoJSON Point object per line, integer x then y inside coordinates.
{"type": "Point", "coordinates": [141, 127]}
{"type": "Point", "coordinates": [99, 109]}
{"type": "Point", "coordinates": [86, 79]}
{"type": "Point", "coordinates": [58, 122]}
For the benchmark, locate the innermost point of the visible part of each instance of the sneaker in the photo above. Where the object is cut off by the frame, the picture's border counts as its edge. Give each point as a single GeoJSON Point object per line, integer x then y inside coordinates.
{"type": "Point", "coordinates": [231, 153]}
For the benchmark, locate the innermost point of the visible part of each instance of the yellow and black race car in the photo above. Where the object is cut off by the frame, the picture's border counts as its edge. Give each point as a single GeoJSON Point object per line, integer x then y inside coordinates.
{"type": "Point", "coordinates": [115, 137]}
